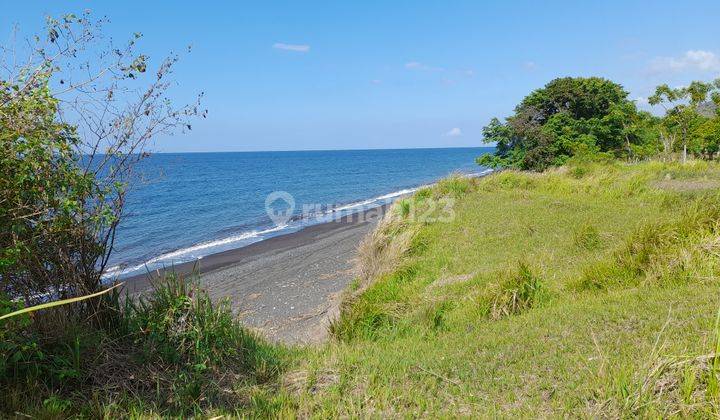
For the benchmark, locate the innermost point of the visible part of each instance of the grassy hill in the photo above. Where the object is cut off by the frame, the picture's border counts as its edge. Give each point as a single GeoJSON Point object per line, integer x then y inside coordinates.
{"type": "Point", "coordinates": [587, 290]}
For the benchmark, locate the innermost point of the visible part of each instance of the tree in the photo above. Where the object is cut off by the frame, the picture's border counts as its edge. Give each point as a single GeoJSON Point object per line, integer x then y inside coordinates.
{"type": "Point", "coordinates": [681, 107]}
{"type": "Point", "coordinates": [568, 114]}
{"type": "Point", "coordinates": [76, 116]}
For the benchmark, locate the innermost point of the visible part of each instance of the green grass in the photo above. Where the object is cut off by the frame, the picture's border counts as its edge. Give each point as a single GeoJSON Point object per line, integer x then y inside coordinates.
{"type": "Point", "coordinates": [547, 294]}
{"type": "Point", "coordinates": [586, 291]}
{"type": "Point", "coordinates": [170, 353]}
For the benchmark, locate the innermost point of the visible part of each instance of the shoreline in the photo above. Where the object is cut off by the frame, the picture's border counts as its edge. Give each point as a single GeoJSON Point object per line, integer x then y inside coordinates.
{"type": "Point", "coordinates": [346, 209]}
{"type": "Point", "coordinates": [286, 288]}
{"type": "Point", "coordinates": [223, 259]}
{"type": "Point", "coordinates": [297, 223]}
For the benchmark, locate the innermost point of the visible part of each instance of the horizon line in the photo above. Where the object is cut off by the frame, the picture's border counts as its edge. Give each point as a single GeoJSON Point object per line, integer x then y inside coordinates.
{"type": "Point", "coordinates": [325, 150]}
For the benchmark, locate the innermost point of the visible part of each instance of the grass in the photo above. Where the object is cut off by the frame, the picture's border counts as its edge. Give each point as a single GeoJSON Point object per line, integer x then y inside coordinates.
{"type": "Point", "coordinates": [580, 292]}
{"type": "Point", "coordinates": [173, 352]}
{"type": "Point", "coordinates": [586, 291]}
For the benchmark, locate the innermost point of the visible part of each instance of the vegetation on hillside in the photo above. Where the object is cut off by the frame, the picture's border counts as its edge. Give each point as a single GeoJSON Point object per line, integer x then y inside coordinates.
{"type": "Point", "coordinates": [76, 116]}
{"type": "Point", "coordinates": [589, 290]}
{"type": "Point", "coordinates": [592, 118]}
{"type": "Point", "coordinates": [172, 352]}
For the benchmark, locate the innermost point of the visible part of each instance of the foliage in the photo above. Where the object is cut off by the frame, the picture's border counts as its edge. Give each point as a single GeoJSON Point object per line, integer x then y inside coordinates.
{"type": "Point", "coordinates": [53, 304]}
{"type": "Point", "coordinates": [419, 339]}
{"type": "Point", "coordinates": [593, 117]}
{"type": "Point", "coordinates": [518, 290]}
{"type": "Point", "coordinates": [75, 118]}
{"type": "Point", "coordinates": [551, 124]}
{"type": "Point", "coordinates": [174, 351]}
{"type": "Point", "coordinates": [43, 192]}
{"type": "Point", "coordinates": [684, 119]}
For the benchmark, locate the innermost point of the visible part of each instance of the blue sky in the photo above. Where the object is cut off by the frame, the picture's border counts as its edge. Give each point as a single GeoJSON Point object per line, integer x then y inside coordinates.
{"type": "Point", "coordinates": [366, 74]}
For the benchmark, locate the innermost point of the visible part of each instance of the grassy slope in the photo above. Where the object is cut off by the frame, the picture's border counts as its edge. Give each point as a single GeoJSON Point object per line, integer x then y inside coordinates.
{"type": "Point", "coordinates": [621, 263]}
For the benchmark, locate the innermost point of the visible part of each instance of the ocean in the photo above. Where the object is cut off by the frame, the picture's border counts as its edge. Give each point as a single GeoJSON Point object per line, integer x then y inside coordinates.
{"type": "Point", "coordinates": [189, 205]}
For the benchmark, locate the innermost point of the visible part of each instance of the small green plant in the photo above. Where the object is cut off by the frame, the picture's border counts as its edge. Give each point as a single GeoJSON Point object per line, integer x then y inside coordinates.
{"type": "Point", "coordinates": [423, 194]}
{"type": "Point", "coordinates": [454, 186]}
{"type": "Point", "coordinates": [587, 237]}
{"type": "Point", "coordinates": [435, 314]}
{"type": "Point", "coordinates": [517, 291]}
{"type": "Point", "coordinates": [56, 406]}
{"type": "Point", "coordinates": [404, 207]}
{"type": "Point", "coordinates": [180, 326]}
{"type": "Point", "coordinates": [173, 348]}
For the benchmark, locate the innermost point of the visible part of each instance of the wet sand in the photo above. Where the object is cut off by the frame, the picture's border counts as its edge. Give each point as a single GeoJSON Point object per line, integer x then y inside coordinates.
{"type": "Point", "coordinates": [288, 287]}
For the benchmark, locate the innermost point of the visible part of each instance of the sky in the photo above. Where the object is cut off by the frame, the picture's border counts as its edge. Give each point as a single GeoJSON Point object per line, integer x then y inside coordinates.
{"type": "Point", "coordinates": [402, 74]}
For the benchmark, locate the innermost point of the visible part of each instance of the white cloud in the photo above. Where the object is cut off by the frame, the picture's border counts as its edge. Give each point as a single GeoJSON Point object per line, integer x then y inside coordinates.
{"type": "Point", "coordinates": [530, 65]}
{"type": "Point", "coordinates": [699, 60]}
{"type": "Point", "coordinates": [641, 100]}
{"type": "Point", "coordinates": [454, 132]}
{"type": "Point", "coordinates": [303, 48]}
{"type": "Point", "coordinates": [414, 65]}
{"type": "Point", "coordinates": [376, 81]}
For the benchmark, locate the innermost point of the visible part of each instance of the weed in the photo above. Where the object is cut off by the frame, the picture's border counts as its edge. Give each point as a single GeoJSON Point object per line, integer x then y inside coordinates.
{"type": "Point", "coordinates": [517, 291]}
{"type": "Point", "coordinates": [174, 349]}
{"type": "Point", "coordinates": [455, 186]}
{"type": "Point", "coordinates": [404, 207]}
{"type": "Point", "coordinates": [587, 237]}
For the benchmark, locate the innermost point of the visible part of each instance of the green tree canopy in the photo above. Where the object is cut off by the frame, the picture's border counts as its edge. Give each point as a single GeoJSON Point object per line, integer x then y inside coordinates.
{"type": "Point", "coordinates": [567, 116]}
{"type": "Point", "coordinates": [686, 117]}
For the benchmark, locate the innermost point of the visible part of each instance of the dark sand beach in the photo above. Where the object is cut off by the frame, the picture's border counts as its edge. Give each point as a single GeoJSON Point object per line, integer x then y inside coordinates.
{"type": "Point", "coordinates": [287, 287]}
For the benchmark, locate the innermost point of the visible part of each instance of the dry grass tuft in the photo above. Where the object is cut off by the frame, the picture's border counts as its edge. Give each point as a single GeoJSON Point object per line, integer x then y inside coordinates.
{"type": "Point", "coordinates": [687, 185]}
{"type": "Point", "coordinates": [381, 252]}
{"type": "Point", "coordinates": [301, 381]}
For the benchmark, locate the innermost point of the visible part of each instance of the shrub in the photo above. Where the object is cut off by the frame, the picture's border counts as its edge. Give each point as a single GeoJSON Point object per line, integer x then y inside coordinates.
{"type": "Point", "coordinates": [65, 160]}
{"type": "Point", "coordinates": [404, 207]}
{"type": "Point", "coordinates": [454, 186]}
{"type": "Point", "coordinates": [173, 350]}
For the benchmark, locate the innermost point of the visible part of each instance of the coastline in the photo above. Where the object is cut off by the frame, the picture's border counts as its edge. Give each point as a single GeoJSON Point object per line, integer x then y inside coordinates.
{"type": "Point", "coordinates": [287, 287]}
{"type": "Point", "coordinates": [189, 255]}
{"type": "Point", "coordinates": [220, 260]}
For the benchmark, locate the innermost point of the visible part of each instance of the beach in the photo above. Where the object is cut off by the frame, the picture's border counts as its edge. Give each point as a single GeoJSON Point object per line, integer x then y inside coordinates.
{"type": "Point", "coordinates": [288, 287]}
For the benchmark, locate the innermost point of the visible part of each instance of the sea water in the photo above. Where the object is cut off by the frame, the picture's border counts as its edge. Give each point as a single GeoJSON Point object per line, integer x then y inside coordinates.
{"type": "Point", "coordinates": [188, 205]}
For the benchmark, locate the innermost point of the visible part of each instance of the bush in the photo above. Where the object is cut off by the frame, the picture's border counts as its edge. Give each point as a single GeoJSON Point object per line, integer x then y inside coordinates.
{"type": "Point", "coordinates": [47, 242]}
{"type": "Point", "coordinates": [65, 160]}
{"type": "Point", "coordinates": [453, 186]}
{"type": "Point", "coordinates": [174, 351]}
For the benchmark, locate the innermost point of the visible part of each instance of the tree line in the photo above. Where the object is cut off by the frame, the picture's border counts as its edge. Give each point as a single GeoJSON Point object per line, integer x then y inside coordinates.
{"type": "Point", "coordinates": [593, 118]}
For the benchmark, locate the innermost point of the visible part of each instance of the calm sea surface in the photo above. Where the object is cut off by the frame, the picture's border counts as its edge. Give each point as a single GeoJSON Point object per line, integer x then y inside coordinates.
{"type": "Point", "coordinates": [194, 204]}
